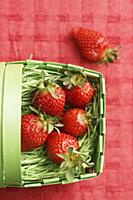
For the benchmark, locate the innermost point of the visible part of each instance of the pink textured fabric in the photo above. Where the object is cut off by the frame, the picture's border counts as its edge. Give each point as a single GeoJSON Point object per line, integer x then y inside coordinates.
{"type": "Point", "coordinates": [42, 27]}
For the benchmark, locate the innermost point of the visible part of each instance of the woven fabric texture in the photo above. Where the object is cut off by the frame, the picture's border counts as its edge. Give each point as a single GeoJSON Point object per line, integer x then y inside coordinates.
{"type": "Point", "coordinates": [42, 28]}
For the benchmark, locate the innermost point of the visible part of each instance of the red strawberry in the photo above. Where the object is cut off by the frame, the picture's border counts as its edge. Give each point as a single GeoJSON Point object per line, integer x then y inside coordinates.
{"type": "Point", "coordinates": [93, 45]}
{"type": "Point", "coordinates": [75, 122]}
{"type": "Point", "coordinates": [80, 96]}
{"type": "Point", "coordinates": [32, 132]}
{"type": "Point", "coordinates": [59, 144]}
{"type": "Point", "coordinates": [50, 100]}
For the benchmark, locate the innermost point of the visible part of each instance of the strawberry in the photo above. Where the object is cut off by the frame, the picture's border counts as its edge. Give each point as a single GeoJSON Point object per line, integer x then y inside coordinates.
{"type": "Point", "coordinates": [49, 99]}
{"type": "Point", "coordinates": [32, 132]}
{"type": "Point", "coordinates": [80, 96]}
{"type": "Point", "coordinates": [93, 45]}
{"type": "Point", "coordinates": [63, 149]}
{"type": "Point", "coordinates": [35, 129]}
{"type": "Point", "coordinates": [75, 122]}
{"type": "Point", "coordinates": [79, 91]}
{"type": "Point", "coordinates": [59, 143]}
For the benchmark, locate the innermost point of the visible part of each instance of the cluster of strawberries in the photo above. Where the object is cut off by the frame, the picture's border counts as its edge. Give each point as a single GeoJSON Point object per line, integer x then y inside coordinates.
{"type": "Point", "coordinates": [51, 99]}
{"type": "Point", "coordinates": [49, 102]}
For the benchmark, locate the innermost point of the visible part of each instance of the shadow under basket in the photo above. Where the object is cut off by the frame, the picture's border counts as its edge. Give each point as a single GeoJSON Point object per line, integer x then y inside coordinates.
{"type": "Point", "coordinates": [13, 77]}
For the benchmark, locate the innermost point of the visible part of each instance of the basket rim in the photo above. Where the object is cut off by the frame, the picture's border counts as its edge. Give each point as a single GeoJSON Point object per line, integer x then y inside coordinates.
{"type": "Point", "coordinates": [55, 63]}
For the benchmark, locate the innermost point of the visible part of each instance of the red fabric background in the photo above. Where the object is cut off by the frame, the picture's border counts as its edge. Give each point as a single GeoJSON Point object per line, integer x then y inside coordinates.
{"type": "Point", "coordinates": [42, 27]}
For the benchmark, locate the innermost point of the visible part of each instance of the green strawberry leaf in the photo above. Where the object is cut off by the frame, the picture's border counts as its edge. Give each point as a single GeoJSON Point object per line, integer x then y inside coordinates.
{"type": "Point", "coordinates": [57, 129]}
{"type": "Point", "coordinates": [51, 89]}
{"type": "Point", "coordinates": [34, 110]}
{"type": "Point", "coordinates": [41, 85]}
{"type": "Point", "coordinates": [63, 156]}
{"type": "Point", "coordinates": [50, 128]}
{"type": "Point", "coordinates": [69, 175]}
{"type": "Point", "coordinates": [45, 125]}
{"type": "Point", "coordinates": [63, 165]}
{"type": "Point", "coordinates": [84, 165]}
{"type": "Point", "coordinates": [59, 125]}
{"type": "Point", "coordinates": [44, 74]}
{"type": "Point", "coordinates": [78, 80]}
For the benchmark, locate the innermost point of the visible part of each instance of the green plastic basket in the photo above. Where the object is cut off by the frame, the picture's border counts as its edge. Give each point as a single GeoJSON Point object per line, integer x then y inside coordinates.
{"type": "Point", "coordinates": [10, 123]}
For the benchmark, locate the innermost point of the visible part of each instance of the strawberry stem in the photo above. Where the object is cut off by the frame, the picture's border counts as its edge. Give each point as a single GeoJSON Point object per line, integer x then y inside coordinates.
{"type": "Point", "coordinates": [110, 55]}
{"type": "Point", "coordinates": [49, 123]}
{"type": "Point", "coordinates": [73, 162]}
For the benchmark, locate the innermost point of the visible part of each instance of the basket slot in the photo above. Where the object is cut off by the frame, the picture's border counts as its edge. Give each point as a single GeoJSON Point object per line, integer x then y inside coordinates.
{"type": "Point", "coordinates": [47, 65]}
{"type": "Point", "coordinates": [32, 185]}
{"type": "Point", "coordinates": [51, 180]}
{"type": "Point", "coordinates": [89, 175]}
{"type": "Point", "coordinates": [56, 64]}
{"type": "Point", "coordinates": [103, 90]}
{"type": "Point", "coordinates": [102, 97]}
{"type": "Point", "coordinates": [74, 67]}
{"type": "Point", "coordinates": [54, 67]}
{"type": "Point", "coordinates": [66, 181]}
{"type": "Point", "coordinates": [12, 124]}
{"type": "Point", "coordinates": [99, 163]}
{"type": "Point", "coordinates": [100, 145]}
{"type": "Point", "coordinates": [34, 61]}
{"type": "Point", "coordinates": [47, 181]}
{"type": "Point", "coordinates": [91, 73]}
{"type": "Point", "coordinates": [101, 106]}
{"type": "Point", "coordinates": [2, 73]}
{"type": "Point", "coordinates": [17, 62]}
{"type": "Point", "coordinates": [102, 125]}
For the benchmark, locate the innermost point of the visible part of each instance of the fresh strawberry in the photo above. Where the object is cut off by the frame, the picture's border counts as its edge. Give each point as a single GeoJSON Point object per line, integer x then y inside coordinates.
{"type": "Point", "coordinates": [93, 45]}
{"type": "Point", "coordinates": [63, 149]}
{"type": "Point", "coordinates": [32, 132]}
{"type": "Point", "coordinates": [79, 91]}
{"type": "Point", "coordinates": [50, 99]}
{"type": "Point", "coordinates": [35, 129]}
{"type": "Point", "coordinates": [80, 96]}
{"type": "Point", "coordinates": [75, 122]}
{"type": "Point", "coordinates": [58, 144]}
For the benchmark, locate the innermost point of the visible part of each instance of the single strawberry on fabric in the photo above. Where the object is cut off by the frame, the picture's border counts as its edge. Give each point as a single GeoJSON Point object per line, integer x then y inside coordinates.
{"type": "Point", "coordinates": [75, 122]}
{"type": "Point", "coordinates": [50, 99]}
{"type": "Point", "coordinates": [32, 132]}
{"type": "Point", "coordinates": [79, 91]}
{"type": "Point", "coordinates": [94, 46]}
